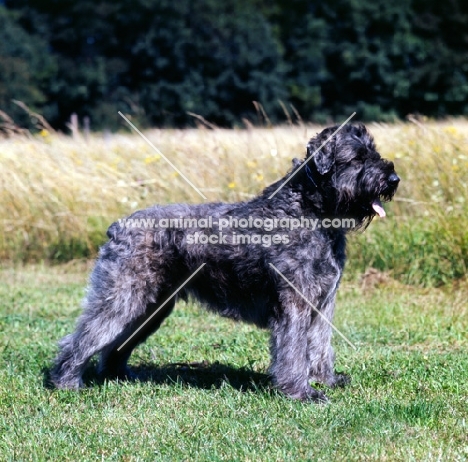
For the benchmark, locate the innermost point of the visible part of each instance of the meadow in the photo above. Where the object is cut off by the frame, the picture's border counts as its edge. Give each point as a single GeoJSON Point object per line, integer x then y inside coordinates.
{"type": "Point", "coordinates": [58, 195]}
{"type": "Point", "coordinates": [203, 392]}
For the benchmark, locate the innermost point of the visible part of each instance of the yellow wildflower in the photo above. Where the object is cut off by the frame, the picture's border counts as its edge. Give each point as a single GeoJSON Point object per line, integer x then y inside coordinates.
{"type": "Point", "coordinates": [450, 130]}
{"type": "Point", "coordinates": [149, 160]}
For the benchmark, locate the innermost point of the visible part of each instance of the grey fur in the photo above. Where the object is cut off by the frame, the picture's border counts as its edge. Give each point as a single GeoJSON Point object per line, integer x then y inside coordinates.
{"type": "Point", "coordinates": [138, 268]}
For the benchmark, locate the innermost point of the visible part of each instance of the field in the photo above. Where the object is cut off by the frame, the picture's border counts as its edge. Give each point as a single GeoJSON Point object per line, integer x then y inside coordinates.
{"type": "Point", "coordinates": [57, 196]}
{"type": "Point", "coordinates": [204, 393]}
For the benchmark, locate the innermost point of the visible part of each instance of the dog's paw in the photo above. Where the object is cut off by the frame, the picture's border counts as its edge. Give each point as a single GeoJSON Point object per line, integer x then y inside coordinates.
{"type": "Point", "coordinates": [340, 379]}
{"type": "Point", "coordinates": [332, 380]}
{"type": "Point", "coordinates": [61, 378]}
{"type": "Point", "coordinates": [316, 396]}
{"type": "Point", "coordinates": [307, 393]}
{"type": "Point", "coordinates": [66, 384]}
{"type": "Point", "coordinates": [122, 373]}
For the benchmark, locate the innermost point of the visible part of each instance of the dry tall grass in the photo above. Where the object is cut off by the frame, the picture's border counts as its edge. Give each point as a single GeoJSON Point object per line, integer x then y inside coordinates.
{"type": "Point", "coordinates": [57, 195]}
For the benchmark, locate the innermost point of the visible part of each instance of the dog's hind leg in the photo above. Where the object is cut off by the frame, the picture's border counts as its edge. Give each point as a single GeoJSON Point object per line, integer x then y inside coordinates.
{"type": "Point", "coordinates": [114, 357]}
{"type": "Point", "coordinates": [117, 302]}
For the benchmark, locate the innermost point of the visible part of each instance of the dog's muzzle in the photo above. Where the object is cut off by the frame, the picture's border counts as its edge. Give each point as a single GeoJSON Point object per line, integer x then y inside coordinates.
{"type": "Point", "coordinates": [392, 182]}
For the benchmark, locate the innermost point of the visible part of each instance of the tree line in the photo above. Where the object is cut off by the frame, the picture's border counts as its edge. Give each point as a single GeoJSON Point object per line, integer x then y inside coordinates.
{"type": "Point", "coordinates": [232, 61]}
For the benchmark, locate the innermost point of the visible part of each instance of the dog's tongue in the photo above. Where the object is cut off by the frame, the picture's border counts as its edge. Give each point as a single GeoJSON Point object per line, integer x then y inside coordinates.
{"type": "Point", "coordinates": [377, 206]}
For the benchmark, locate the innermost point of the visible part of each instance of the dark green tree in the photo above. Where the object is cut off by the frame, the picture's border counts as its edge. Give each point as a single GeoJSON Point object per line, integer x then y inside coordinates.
{"type": "Point", "coordinates": [208, 57]}
{"type": "Point", "coordinates": [160, 59]}
{"type": "Point", "coordinates": [383, 59]}
{"type": "Point", "coordinates": [26, 69]}
{"type": "Point", "coordinates": [304, 36]}
{"type": "Point", "coordinates": [82, 36]}
{"type": "Point", "coordinates": [440, 79]}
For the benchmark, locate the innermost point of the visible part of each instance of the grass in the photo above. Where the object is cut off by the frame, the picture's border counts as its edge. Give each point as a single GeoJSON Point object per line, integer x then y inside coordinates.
{"type": "Point", "coordinates": [204, 394]}
{"type": "Point", "coordinates": [58, 195]}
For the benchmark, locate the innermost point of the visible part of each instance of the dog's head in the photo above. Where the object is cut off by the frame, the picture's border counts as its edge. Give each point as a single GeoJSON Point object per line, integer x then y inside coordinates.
{"type": "Point", "coordinates": [348, 174]}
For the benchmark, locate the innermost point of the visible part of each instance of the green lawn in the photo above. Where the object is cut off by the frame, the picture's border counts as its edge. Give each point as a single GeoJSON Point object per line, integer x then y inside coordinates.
{"type": "Point", "coordinates": [204, 394]}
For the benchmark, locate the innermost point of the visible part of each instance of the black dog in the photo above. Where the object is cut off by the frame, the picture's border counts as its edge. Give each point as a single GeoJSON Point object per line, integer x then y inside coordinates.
{"type": "Point", "coordinates": [275, 261]}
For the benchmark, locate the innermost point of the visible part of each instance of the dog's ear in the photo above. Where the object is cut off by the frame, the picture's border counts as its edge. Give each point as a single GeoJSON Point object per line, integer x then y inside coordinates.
{"type": "Point", "coordinates": [295, 163]}
{"type": "Point", "coordinates": [324, 158]}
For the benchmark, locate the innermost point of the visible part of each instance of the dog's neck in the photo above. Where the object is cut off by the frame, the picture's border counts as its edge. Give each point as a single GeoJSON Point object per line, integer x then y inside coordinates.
{"type": "Point", "coordinates": [315, 194]}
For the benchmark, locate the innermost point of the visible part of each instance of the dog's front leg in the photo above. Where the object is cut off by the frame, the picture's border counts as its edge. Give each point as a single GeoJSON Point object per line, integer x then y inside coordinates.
{"type": "Point", "coordinates": [321, 357]}
{"type": "Point", "coordinates": [290, 362]}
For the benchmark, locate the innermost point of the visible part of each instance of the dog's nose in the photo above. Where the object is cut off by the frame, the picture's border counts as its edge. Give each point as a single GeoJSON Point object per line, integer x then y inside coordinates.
{"type": "Point", "coordinates": [393, 179]}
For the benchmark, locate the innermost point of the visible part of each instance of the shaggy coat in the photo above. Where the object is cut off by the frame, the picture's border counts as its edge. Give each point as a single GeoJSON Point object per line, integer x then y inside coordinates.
{"type": "Point", "coordinates": [257, 281]}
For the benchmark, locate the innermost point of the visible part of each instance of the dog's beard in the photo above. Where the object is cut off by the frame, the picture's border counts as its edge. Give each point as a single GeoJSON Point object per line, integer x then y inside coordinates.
{"type": "Point", "coordinates": [384, 196]}
{"type": "Point", "coordinates": [362, 209]}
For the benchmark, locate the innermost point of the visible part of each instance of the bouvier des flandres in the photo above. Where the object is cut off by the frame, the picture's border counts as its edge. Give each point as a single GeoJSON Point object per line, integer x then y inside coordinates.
{"type": "Point", "coordinates": [275, 261]}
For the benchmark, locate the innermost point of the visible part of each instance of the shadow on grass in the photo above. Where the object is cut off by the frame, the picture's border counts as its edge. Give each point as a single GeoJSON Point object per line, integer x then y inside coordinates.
{"type": "Point", "coordinates": [201, 375]}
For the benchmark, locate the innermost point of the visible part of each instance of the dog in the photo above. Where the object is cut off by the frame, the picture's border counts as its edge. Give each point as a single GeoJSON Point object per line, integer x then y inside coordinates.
{"type": "Point", "coordinates": [284, 281]}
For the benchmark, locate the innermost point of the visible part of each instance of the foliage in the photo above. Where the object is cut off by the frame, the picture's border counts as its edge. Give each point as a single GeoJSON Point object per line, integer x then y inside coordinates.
{"type": "Point", "coordinates": [157, 60]}
{"type": "Point", "coordinates": [161, 59]}
{"type": "Point", "coordinates": [25, 69]}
